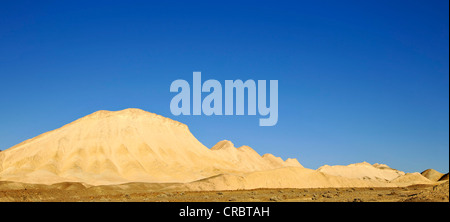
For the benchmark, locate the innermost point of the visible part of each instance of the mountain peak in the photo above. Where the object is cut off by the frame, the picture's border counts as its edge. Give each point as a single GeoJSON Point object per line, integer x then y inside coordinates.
{"type": "Point", "coordinates": [224, 144]}
{"type": "Point", "coordinates": [131, 113]}
{"type": "Point", "coordinates": [432, 174]}
{"type": "Point", "coordinates": [128, 111]}
{"type": "Point", "coordinates": [131, 145]}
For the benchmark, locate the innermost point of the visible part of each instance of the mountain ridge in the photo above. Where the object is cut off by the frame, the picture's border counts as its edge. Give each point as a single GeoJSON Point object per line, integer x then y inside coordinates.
{"type": "Point", "coordinates": [124, 146]}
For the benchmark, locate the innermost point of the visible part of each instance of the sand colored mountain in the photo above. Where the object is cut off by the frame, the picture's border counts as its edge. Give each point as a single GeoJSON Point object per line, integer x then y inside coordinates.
{"type": "Point", "coordinates": [132, 145]}
{"type": "Point", "coordinates": [287, 177]}
{"type": "Point", "coordinates": [377, 172]}
{"type": "Point", "coordinates": [364, 170]}
{"type": "Point", "coordinates": [432, 174]}
{"type": "Point", "coordinates": [412, 178]}
{"type": "Point", "coordinates": [245, 155]}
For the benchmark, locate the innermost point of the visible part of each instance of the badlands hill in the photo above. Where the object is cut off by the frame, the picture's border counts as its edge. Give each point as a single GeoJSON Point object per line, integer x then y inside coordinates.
{"type": "Point", "coordinates": [132, 145]}
{"type": "Point", "coordinates": [364, 170]}
{"type": "Point", "coordinates": [432, 174]}
{"type": "Point", "coordinates": [411, 179]}
{"type": "Point", "coordinates": [286, 177]}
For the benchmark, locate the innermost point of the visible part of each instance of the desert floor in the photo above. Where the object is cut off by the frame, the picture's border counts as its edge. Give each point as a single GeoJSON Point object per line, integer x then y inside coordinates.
{"type": "Point", "coordinates": [137, 192]}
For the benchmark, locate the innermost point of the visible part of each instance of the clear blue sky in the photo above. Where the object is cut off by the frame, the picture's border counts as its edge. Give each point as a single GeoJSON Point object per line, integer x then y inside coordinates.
{"type": "Point", "coordinates": [358, 80]}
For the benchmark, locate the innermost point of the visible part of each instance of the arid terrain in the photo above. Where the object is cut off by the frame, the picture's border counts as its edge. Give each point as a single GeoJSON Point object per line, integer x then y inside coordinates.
{"type": "Point", "coordinates": [137, 192]}
{"type": "Point", "coordinates": [134, 155]}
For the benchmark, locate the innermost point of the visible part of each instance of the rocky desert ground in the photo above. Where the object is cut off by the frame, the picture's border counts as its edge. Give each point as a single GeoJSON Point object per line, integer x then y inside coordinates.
{"type": "Point", "coordinates": [136, 192]}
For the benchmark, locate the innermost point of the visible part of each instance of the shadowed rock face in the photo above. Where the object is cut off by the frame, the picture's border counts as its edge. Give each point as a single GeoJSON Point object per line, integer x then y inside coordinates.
{"type": "Point", "coordinates": [443, 178]}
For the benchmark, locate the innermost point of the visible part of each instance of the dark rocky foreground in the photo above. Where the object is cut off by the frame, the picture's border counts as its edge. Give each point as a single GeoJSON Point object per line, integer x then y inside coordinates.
{"type": "Point", "coordinates": [139, 192]}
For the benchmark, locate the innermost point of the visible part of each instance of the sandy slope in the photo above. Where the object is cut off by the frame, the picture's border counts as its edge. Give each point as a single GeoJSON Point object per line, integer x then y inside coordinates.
{"type": "Point", "coordinates": [245, 156]}
{"type": "Point", "coordinates": [366, 171]}
{"type": "Point", "coordinates": [412, 178]}
{"type": "Point", "coordinates": [287, 177]}
{"type": "Point", "coordinates": [126, 146]}
{"type": "Point", "coordinates": [432, 174]}
{"type": "Point", "coordinates": [132, 145]}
